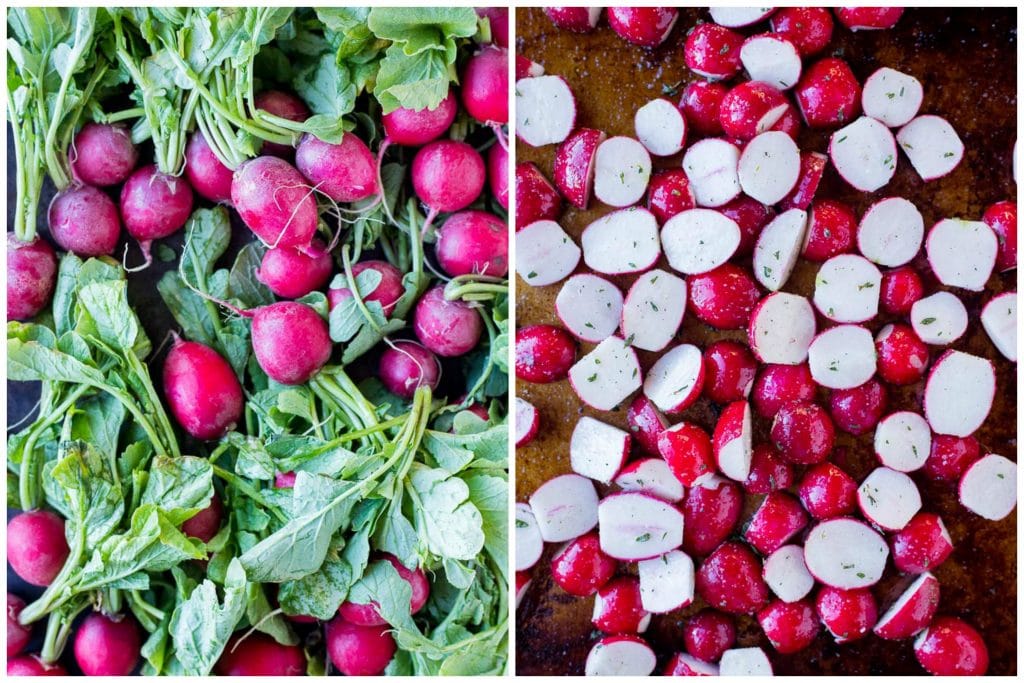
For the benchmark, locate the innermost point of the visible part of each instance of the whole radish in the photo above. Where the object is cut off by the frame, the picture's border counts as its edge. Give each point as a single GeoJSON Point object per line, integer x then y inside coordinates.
{"type": "Point", "coordinates": [447, 175]}
{"type": "Point", "coordinates": [291, 273]}
{"type": "Point", "coordinates": [17, 634]}
{"type": "Point", "coordinates": [497, 173]}
{"type": "Point", "coordinates": [106, 646]}
{"type": "Point", "coordinates": [154, 205]}
{"type": "Point", "coordinates": [473, 242]}
{"type": "Point", "coordinates": [102, 154]}
{"type": "Point", "coordinates": [84, 220]}
{"type": "Point", "coordinates": [345, 172]}
{"type": "Point", "coordinates": [448, 328]}
{"type": "Point", "coordinates": [406, 366]}
{"type": "Point", "coordinates": [257, 654]}
{"type": "Point", "coordinates": [31, 665]}
{"type": "Point", "coordinates": [202, 390]}
{"type": "Point", "coordinates": [282, 105]}
{"type": "Point", "coordinates": [207, 174]}
{"type": "Point", "coordinates": [36, 546]}
{"type": "Point", "coordinates": [359, 650]}
{"type": "Point", "coordinates": [368, 615]}
{"type": "Point", "coordinates": [414, 128]}
{"type": "Point", "coordinates": [485, 86]}
{"type": "Point", "coordinates": [31, 276]}
{"type": "Point", "coordinates": [275, 201]}
{"type": "Point", "coordinates": [205, 524]}
{"type": "Point", "coordinates": [387, 293]}
{"type": "Point", "coordinates": [290, 341]}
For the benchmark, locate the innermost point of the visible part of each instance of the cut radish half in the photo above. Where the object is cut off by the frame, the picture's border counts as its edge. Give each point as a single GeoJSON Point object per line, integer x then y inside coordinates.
{"type": "Point", "coordinates": [989, 487]}
{"type": "Point", "coordinates": [527, 68]}
{"type": "Point", "coordinates": [745, 661]}
{"type": "Point", "coordinates": [769, 167]}
{"type": "Point", "coordinates": [962, 253]}
{"type": "Point", "coordinates": [890, 232]}
{"type": "Point", "coordinates": [846, 289]}
{"type": "Point", "coordinates": [712, 167]}
{"type": "Point", "coordinates": [675, 381]}
{"type": "Point", "coordinates": [842, 357]}
{"type": "Point", "coordinates": [636, 526]}
{"type": "Point", "coordinates": [666, 582]}
{"type": "Point", "coordinates": [622, 168]}
{"type": "Point", "coordinates": [565, 507]}
{"type": "Point", "coordinates": [653, 476]}
{"type": "Point", "coordinates": [845, 553]}
{"type": "Point", "coordinates": [888, 498]}
{"type": "Point", "coordinates": [574, 165]}
{"type": "Point", "coordinates": [932, 145]}
{"type": "Point", "coordinates": [545, 254]}
{"type": "Point", "coordinates": [959, 393]}
{"type": "Point", "coordinates": [735, 17]}
{"type": "Point", "coordinates": [891, 96]}
{"type": "Point", "coordinates": [864, 154]}
{"type": "Point", "coordinates": [624, 241]}
{"type": "Point", "coordinates": [771, 59]}
{"type": "Point", "coordinates": [624, 655]}
{"type": "Point", "coordinates": [733, 441]}
{"type": "Point", "coordinates": [903, 441]}
{"type": "Point", "coordinates": [912, 611]}
{"type": "Point", "coordinates": [787, 575]}
{"type": "Point", "coordinates": [606, 376]}
{"type": "Point", "coordinates": [529, 544]}
{"type": "Point", "coordinates": [598, 450]}
{"type": "Point", "coordinates": [699, 240]}
{"type": "Point", "coordinates": [812, 168]}
{"type": "Point", "coordinates": [778, 248]}
{"type": "Point", "coordinates": [939, 319]}
{"type": "Point", "coordinates": [545, 110]}
{"type": "Point", "coordinates": [590, 307]}
{"type": "Point", "coordinates": [527, 422]}
{"type": "Point", "coordinates": [683, 664]}
{"type": "Point", "coordinates": [660, 127]}
{"type": "Point", "coordinates": [782, 326]}
{"type": "Point", "coordinates": [999, 318]}
{"type": "Point", "coordinates": [654, 309]}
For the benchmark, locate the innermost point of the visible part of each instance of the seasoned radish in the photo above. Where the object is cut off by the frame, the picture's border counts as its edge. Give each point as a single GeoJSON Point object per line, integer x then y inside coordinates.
{"type": "Point", "coordinates": [700, 103]}
{"type": "Point", "coordinates": [989, 487]}
{"type": "Point", "coordinates": [708, 634]}
{"type": "Point", "coordinates": [902, 359]}
{"type": "Point", "coordinates": [769, 167]}
{"type": "Point", "coordinates": [847, 614]}
{"type": "Point", "coordinates": [666, 582]}
{"type": "Point", "coordinates": [901, 287]}
{"type": "Point", "coordinates": [803, 433]}
{"type": "Point", "coordinates": [846, 289]}
{"type": "Point", "coordinates": [809, 28]}
{"type": "Point", "coordinates": [827, 491]}
{"type": "Point", "coordinates": [782, 327]}
{"type": "Point", "coordinates": [751, 215]}
{"type": "Point", "coordinates": [545, 110]}
{"type": "Point", "coordinates": [713, 51]}
{"type": "Point", "coordinates": [962, 253]}
{"type": "Point", "coordinates": [903, 441]}
{"type": "Point", "coordinates": [778, 519]}
{"type": "Point", "coordinates": [576, 19]}
{"type": "Point", "coordinates": [712, 167]}
{"type": "Point", "coordinates": [699, 240]}
{"type": "Point", "coordinates": [683, 664]}
{"type": "Point", "coordinates": [959, 393]}
{"type": "Point", "coordinates": [527, 422]}
{"type": "Point", "coordinates": [950, 457]}
{"type": "Point", "coordinates": [652, 476]}
{"type": "Point", "coordinates": [1002, 218]}
{"type": "Point", "coordinates": [888, 499]}
{"type": "Point", "coordinates": [646, 423]}
{"type": "Point", "coordinates": [999, 318]}
{"type": "Point", "coordinates": [892, 97]}
{"type": "Point", "coordinates": [845, 553]}
{"type": "Point", "coordinates": [618, 607]}
{"type": "Point", "coordinates": [939, 319]}
{"type": "Point", "coordinates": [787, 575]}
{"type": "Point", "coordinates": [643, 26]}
{"type": "Point", "coordinates": [890, 232]}
{"type": "Point", "coordinates": [580, 568]}
{"type": "Point", "coordinates": [842, 357]}
{"type": "Point", "coordinates": [772, 59]}
{"type": "Point", "coordinates": [712, 509]}
{"type": "Point", "coordinates": [923, 544]}
{"type": "Point", "coordinates": [911, 612]}
{"type": "Point", "coordinates": [736, 17]}
{"type": "Point", "coordinates": [950, 647]}
{"type": "Point", "coordinates": [932, 145]}
{"type": "Point", "coordinates": [751, 108]}
{"type": "Point", "coordinates": [623, 241]}
{"type": "Point", "coordinates": [812, 168]}
{"type": "Point", "coordinates": [529, 543]}
{"type": "Point", "coordinates": [653, 309]}
{"type": "Point", "coordinates": [745, 661]}
{"type": "Point", "coordinates": [868, 18]}
{"type": "Point", "coordinates": [636, 526]}
{"type": "Point", "coordinates": [729, 371]}
{"type": "Point", "coordinates": [675, 380]}
{"type": "Point", "coordinates": [275, 201]}
{"type": "Point", "coordinates": [608, 375]}
{"type": "Point", "coordinates": [544, 353]}
{"type": "Point", "coordinates": [733, 441]}
{"type": "Point", "coordinates": [864, 154]}
{"type": "Point", "coordinates": [623, 655]}
{"type": "Point", "coordinates": [590, 307]}
{"type": "Point", "coordinates": [84, 220]}
{"type": "Point", "coordinates": [687, 450]}
{"type": "Point", "coordinates": [545, 254]}
{"type": "Point", "coordinates": [574, 165]}
{"type": "Point", "coordinates": [669, 193]}
{"type": "Point", "coordinates": [730, 580]}
{"type": "Point", "coordinates": [828, 93]}
{"type": "Point", "coordinates": [660, 127]}
{"type": "Point", "coordinates": [768, 471]}
{"type": "Point", "coordinates": [565, 507]}
{"type": "Point", "coordinates": [831, 226]}
{"type": "Point", "coordinates": [598, 450]}
{"type": "Point", "coordinates": [778, 248]}
{"type": "Point", "coordinates": [536, 198]}
{"type": "Point", "coordinates": [622, 168]}
{"type": "Point", "coordinates": [777, 385]}
{"type": "Point", "coordinates": [789, 626]}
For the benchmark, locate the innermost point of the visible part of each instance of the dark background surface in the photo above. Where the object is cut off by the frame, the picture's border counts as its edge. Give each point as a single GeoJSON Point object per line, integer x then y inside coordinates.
{"type": "Point", "coordinates": [966, 60]}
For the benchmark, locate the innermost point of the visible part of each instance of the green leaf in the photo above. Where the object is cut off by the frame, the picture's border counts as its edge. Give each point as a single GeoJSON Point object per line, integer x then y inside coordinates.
{"type": "Point", "coordinates": [423, 28]}
{"type": "Point", "coordinates": [243, 284]}
{"type": "Point", "coordinates": [202, 624]}
{"type": "Point", "coordinates": [413, 82]}
{"type": "Point", "coordinates": [92, 496]}
{"type": "Point", "coordinates": [31, 361]}
{"type": "Point", "coordinates": [265, 618]}
{"type": "Point", "coordinates": [98, 422]}
{"type": "Point", "coordinates": [320, 593]}
{"type": "Point", "coordinates": [110, 318]}
{"type": "Point", "coordinates": [446, 518]}
{"type": "Point", "coordinates": [490, 496]}
{"type": "Point", "coordinates": [180, 487]}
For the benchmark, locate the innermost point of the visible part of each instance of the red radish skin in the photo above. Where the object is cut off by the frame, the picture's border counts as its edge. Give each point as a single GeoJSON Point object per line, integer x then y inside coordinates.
{"type": "Point", "coordinates": [902, 356]}
{"type": "Point", "coordinates": [687, 450]}
{"type": "Point", "coordinates": [826, 491]}
{"type": "Point", "coordinates": [778, 385]}
{"type": "Point", "coordinates": [951, 647]}
{"type": "Point", "coordinates": [523, 581]}
{"type": "Point", "coordinates": [406, 366]}
{"type": "Point", "coordinates": [575, 19]}
{"type": "Point", "coordinates": [497, 19]}
{"type": "Point", "coordinates": [921, 545]}
{"type": "Point", "coordinates": [778, 519]}
{"type": "Point", "coordinates": [808, 28]}
{"type": "Point", "coordinates": [346, 172]}
{"type": "Point", "coordinates": [106, 646]}
{"type": "Point", "coordinates": [292, 274]}
{"type": "Point", "coordinates": [102, 154]}
{"type": "Point", "coordinates": [828, 93]}
{"type": "Point", "coordinates": [31, 277]}
{"type": "Point", "coordinates": [205, 524]}
{"type": "Point", "coordinates": [685, 665]}
{"type": "Point", "coordinates": [868, 18]}
{"type": "Point", "coordinates": [708, 634]}
{"type": "Point", "coordinates": [473, 242]}
{"type": "Point", "coordinates": [803, 433]}
{"type": "Point", "coordinates": [1002, 218]}
{"type": "Point", "coordinates": [789, 626]}
{"type": "Point", "coordinates": [31, 665]}
{"type": "Point", "coordinates": [36, 547]}
{"type": "Point", "coordinates": [448, 175]}
{"type": "Point", "coordinates": [283, 105]}
{"type": "Point", "coordinates": [713, 51]}
{"type": "Point", "coordinates": [544, 353]}
{"type": "Point", "coordinates": [643, 26]}
{"type": "Point", "coordinates": [751, 216]}
{"type": "Point", "coordinates": [497, 173]}
{"type": "Point", "coordinates": [669, 194]}
{"type": "Point", "coordinates": [85, 221]}
{"type": "Point", "coordinates": [700, 103]}
{"type": "Point", "coordinates": [387, 293]}
{"type": "Point", "coordinates": [536, 198]}
{"type": "Point", "coordinates": [526, 68]}
{"type": "Point", "coordinates": [831, 230]}
{"type": "Point", "coordinates": [751, 108]}
{"type": "Point", "coordinates": [290, 341]}
{"type": "Point", "coordinates": [581, 567]}
{"type": "Point", "coordinates": [275, 201]}
{"type": "Point", "coordinates": [527, 422]}
{"type": "Point", "coordinates": [730, 580]}
{"type": "Point", "coordinates": [729, 371]}
{"type": "Point", "coordinates": [915, 604]}
{"type": "Point", "coordinates": [257, 654]}
{"type": "Point", "coordinates": [485, 86]}
{"type": "Point", "coordinates": [768, 471]}
{"type": "Point", "coordinates": [415, 128]}
{"type": "Point", "coordinates": [724, 297]}
{"type": "Point", "coordinates": [812, 168]}
{"type": "Point", "coordinates": [17, 634]}
{"type": "Point", "coordinates": [202, 390]}
{"type": "Point", "coordinates": [206, 173]}
{"type": "Point", "coordinates": [950, 456]}
{"type": "Point", "coordinates": [618, 609]}
{"type": "Point", "coordinates": [368, 615]}
{"type": "Point", "coordinates": [646, 423]}
{"type": "Point", "coordinates": [848, 615]}
{"type": "Point", "coordinates": [711, 510]}
{"type": "Point", "coordinates": [154, 205]}
{"type": "Point", "coordinates": [901, 288]}
{"type": "Point", "coordinates": [359, 650]}
{"type": "Point", "coordinates": [856, 411]}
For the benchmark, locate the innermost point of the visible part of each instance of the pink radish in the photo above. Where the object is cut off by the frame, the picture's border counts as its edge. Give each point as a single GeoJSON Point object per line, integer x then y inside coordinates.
{"type": "Point", "coordinates": [290, 341]}
{"type": "Point", "coordinates": [912, 611]}
{"type": "Point", "coordinates": [768, 471]}
{"type": "Point", "coordinates": [106, 646]}
{"type": "Point", "coordinates": [903, 441]}
{"type": "Point", "coordinates": [713, 51]}
{"type": "Point", "coordinates": [923, 544]}
{"type": "Point", "coordinates": [787, 575]}
{"type": "Point", "coordinates": [950, 647]}
{"type": "Point", "coordinates": [675, 380]}
{"type": "Point", "coordinates": [999, 318]}
{"type": "Point", "coordinates": [669, 193]}
{"type": "Point", "coordinates": [206, 172]}
{"type": "Point", "coordinates": [536, 197]}
{"type": "Point", "coordinates": [950, 457]}
{"type": "Point", "coordinates": [868, 18]}
{"type": "Point", "coordinates": [205, 524]}
{"type": "Point", "coordinates": [545, 110]}
{"type": "Point", "coordinates": [708, 634]}
{"type": "Point", "coordinates": [622, 168]}
{"type": "Point", "coordinates": [660, 127]}
{"type": "Point", "coordinates": [751, 215]}
{"type": "Point", "coordinates": [683, 664]}
{"type": "Point", "coordinates": [712, 167]}
{"type": "Point", "coordinates": [497, 20]}
{"type": "Point", "coordinates": [733, 441]}
{"type": "Point", "coordinates": [782, 327]}
{"type": "Point", "coordinates": [864, 154]}
{"type": "Point", "coordinates": [666, 582]}
{"type": "Point", "coordinates": [803, 433]}
{"type": "Point", "coordinates": [932, 145]}
{"type": "Point", "coordinates": [565, 507]}
{"type": "Point", "coordinates": [636, 526]}
{"type": "Point", "coordinates": [529, 543]}
{"type": "Point", "coordinates": [687, 450]}
{"type": "Point", "coordinates": [624, 241]}
{"type": "Point", "coordinates": [846, 289]}
{"type": "Point", "coordinates": [751, 108]}
{"type": "Point", "coordinates": [789, 626]}
{"type": "Point", "coordinates": [102, 154]}
{"type": "Point", "coordinates": [848, 615]}
{"type": "Point", "coordinates": [417, 127]}
{"type": "Point", "coordinates": [651, 476]}
{"type": "Point", "coordinates": [36, 546]}
{"type": "Point", "coordinates": [575, 19]}
{"type": "Point", "coordinates": [808, 28]}
{"type": "Point", "coordinates": [653, 309]}
{"type": "Point", "coordinates": [447, 175]}
{"type": "Point", "coordinates": [497, 173]}
{"type": "Point", "coordinates": [892, 97]}
{"type": "Point", "coordinates": [154, 205]}
{"type": "Point", "coordinates": [368, 614]}
{"type": "Point", "coordinates": [18, 635]}
{"type": "Point", "coordinates": [358, 650]}
{"type": "Point", "coordinates": [485, 86]}
{"type": "Point", "coordinates": [545, 254]}
{"type": "Point", "coordinates": [1002, 218]}
{"type": "Point", "coordinates": [581, 568]}
{"type": "Point", "coordinates": [31, 276]}
{"type": "Point", "coordinates": [202, 390]}
{"type": "Point", "coordinates": [777, 385]}
{"type": "Point", "coordinates": [857, 410]}
{"type": "Point", "coordinates": [292, 274]}
{"type": "Point", "coordinates": [842, 357]}
{"type": "Point", "coordinates": [646, 423]}
{"type": "Point", "coordinates": [346, 172]}
{"type": "Point", "coordinates": [447, 328]}
{"type": "Point", "coordinates": [769, 167]}
{"type": "Point", "coordinates": [282, 105]}
{"type": "Point", "coordinates": [622, 655]}
{"type": "Point", "coordinates": [772, 59]}
{"type": "Point", "coordinates": [700, 103]}
{"type": "Point", "coordinates": [406, 366]}
{"type": "Point", "coordinates": [598, 450]}
{"type": "Point", "coordinates": [939, 319]}
{"type": "Point", "coordinates": [828, 93]}
{"type": "Point", "coordinates": [737, 17]}
{"type": "Point", "coordinates": [473, 242]}
{"type": "Point", "coordinates": [544, 353]}
{"type": "Point", "coordinates": [730, 580]}
{"type": "Point", "coordinates": [260, 655]}
{"type": "Point", "coordinates": [590, 307]}
{"type": "Point", "coordinates": [959, 393]}
{"type": "Point", "coordinates": [890, 232]}
{"type": "Point", "coordinates": [812, 168]}
{"type": "Point", "coordinates": [527, 422]}
{"type": "Point", "coordinates": [643, 26]}
{"type": "Point", "coordinates": [745, 661]}
{"type": "Point", "coordinates": [989, 487]}
{"type": "Point", "coordinates": [888, 499]}
{"type": "Point", "coordinates": [845, 553]}
{"type": "Point", "coordinates": [729, 371]}
{"type": "Point", "coordinates": [32, 665]}
{"type": "Point", "coordinates": [699, 240]}
{"type": "Point", "coordinates": [618, 608]}
{"type": "Point", "coordinates": [387, 293]}
{"type": "Point", "coordinates": [608, 375]}
{"type": "Point", "coordinates": [831, 226]}
{"type": "Point", "coordinates": [901, 288]}
{"type": "Point", "coordinates": [962, 253]}
{"type": "Point", "coordinates": [574, 165]}
{"type": "Point", "coordinates": [778, 519]}
{"type": "Point", "coordinates": [711, 510]}
{"type": "Point", "coordinates": [85, 221]}
{"type": "Point", "coordinates": [827, 491]}
{"type": "Point", "coordinates": [778, 248]}
{"type": "Point", "coordinates": [275, 201]}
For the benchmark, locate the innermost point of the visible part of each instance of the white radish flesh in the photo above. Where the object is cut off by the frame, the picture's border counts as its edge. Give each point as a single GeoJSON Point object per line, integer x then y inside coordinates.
{"type": "Point", "coordinates": [660, 127]}
{"type": "Point", "coordinates": [597, 450]}
{"type": "Point", "coordinates": [842, 357]}
{"type": "Point", "coordinates": [622, 169]}
{"type": "Point", "coordinates": [653, 476]}
{"type": "Point", "coordinates": [590, 307]}
{"type": "Point", "coordinates": [891, 96]}
{"type": "Point", "coordinates": [712, 166]}
{"type": "Point", "coordinates": [932, 145]}
{"type": "Point", "coordinates": [653, 310]}
{"type": "Point", "coordinates": [672, 380]}
{"type": "Point", "coordinates": [845, 553]}
{"type": "Point", "coordinates": [565, 507]}
{"type": "Point", "coordinates": [962, 253]}
{"type": "Point", "coordinates": [778, 248]}
{"type": "Point", "coordinates": [745, 661]}
{"type": "Point", "coordinates": [890, 232]}
{"type": "Point", "coordinates": [619, 656]}
{"type": "Point", "coordinates": [903, 441]}
{"type": "Point", "coordinates": [606, 376]}
{"type": "Point", "coordinates": [734, 455]}
{"type": "Point", "coordinates": [545, 254]}
{"type": "Point", "coordinates": [769, 167]}
{"type": "Point", "coordinates": [666, 582]}
{"type": "Point", "coordinates": [624, 241]}
{"type": "Point", "coordinates": [989, 487]}
{"type": "Point", "coordinates": [959, 393]}
{"type": "Point", "coordinates": [529, 543]}
{"type": "Point", "coordinates": [545, 110]}
{"type": "Point", "coordinates": [888, 498]}
{"type": "Point", "coordinates": [999, 318]}
{"type": "Point", "coordinates": [864, 154]}
{"type": "Point", "coordinates": [939, 319]}
{"type": "Point", "coordinates": [636, 526]}
{"type": "Point", "coordinates": [782, 328]}
{"type": "Point", "coordinates": [699, 240]}
{"type": "Point", "coordinates": [735, 17]}
{"type": "Point", "coordinates": [527, 421]}
{"type": "Point", "coordinates": [787, 575]}
{"type": "Point", "coordinates": [771, 59]}
{"type": "Point", "coordinates": [683, 664]}
{"type": "Point", "coordinates": [846, 289]}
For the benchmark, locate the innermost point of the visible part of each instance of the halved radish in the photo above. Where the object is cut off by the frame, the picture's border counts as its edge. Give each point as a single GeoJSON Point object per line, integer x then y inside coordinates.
{"type": "Point", "coordinates": [636, 526]}
{"type": "Point", "coordinates": [890, 232]}
{"type": "Point", "coordinates": [646, 423]}
{"type": "Point", "coordinates": [868, 18]}
{"type": "Point", "coordinates": [687, 450]}
{"type": "Point", "coordinates": [545, 110]}
{"type": "Point", "coordinates": [653, 309]}
{"type": "Point", "coordinates": [622, 168]}
{"type": "Point", "coordinates": [939, 319]}
{"type": "Point", "coordinates": [812, 168]}
{"type": "Point", "coordinates": [527, 422]}
{"type": "Point", "coordinates": [772, 59]}
{"type": "Point", "coordinates": [903, 441]}
{"type": "Point", "coordinates": [932, 145]}
{"type": "Point", "coordinates": [735, 17]}
{"type": "Point", "coordinates": [842, 357]}
{"type": "Point", "coordinates": [589, 306]}
{"type": "Point", "coordinates": [846, 289]}
{"type": "Point", "coordinates": [643, 26]}
{"type": "Point", "coordinates": [666, 582]}
{"type": "Point", "coordinates": [683, 664]}
{"type": "Point", "coordinates": [624, 655]}
{"type": "Point", "coordinates": [959, 393]}
{"type": "Point", "coordinates": [951, 647]}
{"type": "Point", "coordinates": [660, 127]}
{"type": "Point", "coordinates": [787, 575]}
{"type": "Point", "coordinates": [536, 197]}
{"type": "Point", "coordinates": [712, 51]}
{"type": "Point", "coordinates": [576, 19]}
{"type": "Point", "coordinates": [778, 248]}
{"type": "Point", "coordinates": [912, 610]}
{"type": "Point", "coordinates": [989, 487]}
{"type": "Point", "coordinates": [962, 253]}
{"type": "Point", "coordinates": [675, 381]}
{"type": "Point", "coordinates": [779, 518]}
{"type": "Point", "coordinates": [999, 318]}
{"type": "Point", "coordinates": [769, 167]}
{"type": "Point", "coordinates": [618, 608]}
{"type": "Point", "coordinates": [624, 241]}
{"type": "Point", "coordinates": [529, 544]}
{"type": "Point", "coordinates": [923, 544]}
{"type": "Point", "coordinates": [781, 329]}
{"type": "Point", "coordinates": [527, 68]}
{"type": "Point", "coordinates": [751, 108]}
{"type": "Point", "coordinates": [598, 450]}
{"type": "Point", "coordinates": [545, 254]}
{"type": "Point", "coordinates": [565, 507]}
{"type": "Point", "coordinates": [845, 553]}
{"type": "Point", "coordinates": [891, 96]}
{"type": "Point", "coordinates": [606, 376]}
{"type": "Point", "coordinates": [712, 167]}
{"type": "Point", "coordinates": [733, 441]}
{"type": "Point", "coordinates": [653, 476]}
{"type": "Point", "coordinates": [574, 165]}
{"type": "Point", "coordinates": [888, 499]}
{"type": "Point", "coordinates": [699, 240]}
{"type": "Point", "coordinates": [864, 154]}
{"type": "Point", "coordinates": [745, 661]}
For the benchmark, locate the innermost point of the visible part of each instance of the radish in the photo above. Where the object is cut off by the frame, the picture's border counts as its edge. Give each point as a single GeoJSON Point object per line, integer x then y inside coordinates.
{"type": "Point", "coordinates": [643, 26]}
{"type": "Point", "coordinates": [846, 289]}
{"type": "Point", "coordinates": [888, 498]}
{"type": "Point", "coordinates": [713, 51]}
{"type": "Point", "coordinates": [736, 17]}
{"type": "Point", "coordinates": [624, 241]}
{"type": "Point", "coordinates": [653, 309]}
{"type": "Point", "coordinates": [745, 661]}
{"type": "Point", "coordinates": [36, 546]}
{"type": "Point", "coordinates": [497, 20]}
{"type": "Point", "coordinates": [803, 433]}
{"type": "Point", "coordinates": [687, 450]}
{"type": "Point", "coordinates": [892, 97]}
{"type": "Point", "coordinates": [598, 450]}
{"type": "Point", "coordinates": [447, 175]}
{"type": "Point", "coordinates": [660, 127]}
{"type": "Point", "coordinates": [951, 456]}
{"type": "Point", "coordinates": [529, 543]}
{"type": "Point", "coordinates": [545, 254]}
{"type": "Point", "coordinates": [868, 18]}
{"type": "Point", "coordinates": [202, 390]}
{"type": "Point", "coordinates": [912, 610]}
{"type": "Point", "coordinates": [574, 165]}
{"type": "Point", "coordinates": [618, 608]}
{"type": "Point", "coordinates": [448, 328]}
{"type": "Point", "coordinates": [903, 441]}
{"type": "Point", "coordinates": [769, 167]}
{"type": "Point", "coordinates": [575, 19]}
{"type": "Point", "coordinates": [652, 476]}
{"type": "Point", "coordinates": [890, 232]}
{"type": "Point", "coordinates": [729, 371]}
{"type": "Point", "coordinates": [283, 105]}
{"type": "Point", "coordinates": [950, 647]}
{"type": "Point", "coordinates": [733, 441]}
{"type": "Point", "coordinates": [636, 526]}
{"type": "Point", "coordinates": [830, 230]}
{"type": "Point", "coordinates": [685, 665]}
{"type": "Point", "coordinates": [590, 307]}
{"type": "Point", "coordinates": [787, 575]}
{"type": "Point", "coordinates": [544, 353]}
{"type": "Point", "coordinates": [290, 341]}
{"type": "Point", "coordinates": [959, 393]}
{"type": "Point", "coordinates": [789, 123]}
{"type": "Point", "coordinates": [606, 376]}
{"type": "Point", "coordinates": [848, 615]}
{"type": "Point", "coordinates": [102, 154]}
{"type": "Point", "coordinates": [669, 193]}
{"type": "Point", "coordinates": [581, 568]}
{"type": "Point", "coordinates": [857, 411]}
{"type": "Point", "coordinates": [622, 168]}
{"type": "Point", "coordinates": [536, 197]}
{"type": "Point", "coordinates": [751, 108]}
{"type": "Point", "coordinates": [711, 510]}
{"type": "Point", "coordinates": [939, 319]}
{"type": "Point", "coordinates": [406, 366]}
{"type": "Point", "coordinates": [789, 626]}
{"type": "Point", "coordinates": [932, 145]}
{"type": "Point", "coordinates": [901, 288]}
{"type": "Point", "coordinates": [206, 173]}
{"type": "Point", "coordinates": [623, 655]}
{"type": "Point", "coordinates": [31, 277]}
{"type": "Point", "coordinates": [778, 519]}
{"type": "Point", "coordinates": [751, 215]}
{"type": "Point", "coordinates": [106, 646]}
{"type": "Point", "coordinates": [828, 93]}
{"type": "Point", "coordinates": [484, 88]}
{"type": "Point", "coordinates": [291, 274]}
{"type": "Point", "coordinates": [864, 154]}
{"type": "Point", "coordinates": [778, 248]}
{"type": "Point", "coordinates": [473, 243]}
{"type": "Point", "coordinates": [923, 544]}
{"type": "Point", "coordinates": [206, 523]}
{"type": "Point", "coordinates": [357, 650]}
{"type": "Point", "coordinates": [989, 487]}
{"type": "Point", "coordinates": [700, 103]}
{"type": "Point", "coordinates": [345, 172]}
{"type": "Point", "coordinates": [417, 127]}
{"type": "Point", "coordinates": [675, 380]}
{"type": "Point", "coordinates": [708, 634]}
{"type": "Point", "coordinates": [962, 253]}
{"type": "Point", "coordinates": [523, 582]}
{"type": "Point", "coordinates": [999, 318]}
{"type": "Point", "coordinates": [387, 293]}
{"type": "Point", "coordinates": [845, 553]}
{"type": "Point", "coordinates": [258, 654]}
{"type": "Point", "coordinates": [545, 110]}
{"type": "Point", "coordinates": [646, 423]}
{"type": "Point", "coordinates": [32, 665]}
{"type": "Point", "coordinates": [712, 165]}
{"type": "Point", "coordinates": [527, 422]}
{"type": "Point", "coordinates": [666, 582]}
{"type": "Point", "coordinates": [730, 580]}
{"type": "Point", "coordinates": [781, 329]}
{"type": "Point", "coordinates": [808, 28]}
{"type": "Point", "coordinates": [699, 240]}
{"type": "Point", "coordinates": [497, 174]}
{"type": "Point", "coordinates": [842, 357]}
{"type": "Point", "coordinates": [768, 471]}
{"type": "Point", "coordinates": [18, 635]}
{"type": "Point", "coordinates": [812, 168]}
{"type": "Point", "coordinates": [565, 507]}
{"type": "Point", "coordinates": [369, 614]}
{"type": "Point", "coordinates": [827, 491]}
{"type": "Point", "coordinates": [275, 201]}
{"type": "Point", "coordinates": [155, 205]}
{"type": "Point", "coordinates": [1002, 218]}
{"type": "Point", "coordinates": [85, 221]}
{"type": "Point", "coordinates": [772, 59]}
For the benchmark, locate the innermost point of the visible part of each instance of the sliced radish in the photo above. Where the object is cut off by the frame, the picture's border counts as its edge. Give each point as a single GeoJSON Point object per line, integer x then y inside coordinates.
{"type": "Point", "coordinates": [846, 289]}
{"type": "Point", "coordinates": [606, 376]}
{"type": "Point", "coordinates": [666, 582]}
{"type": "Point", "coordinates": [888, 498]}
{"type": "Point", "coordinates": [624, 655]}
{"type": "Point", "coordinates": [842, 357]}
{"type": "Point", "coordinates": [962, 253]}
{"type": "Point", "coordinates": [675, 381]}
{"type": "Point", "coordinates": [845, 553]}
{"type": "Point", "coordinates": [812, 168]}
{"type": "Point", "coordinates": [891, 96]}
{"type": "Point", "coordinates": [527, 68]}
{"type": "Point", "coordinates": [712, 167]}
{"type": "Point", "coordinates": [782, 327]}
{"type": "Point", "coordinates": [989, 487]}
{"type": "Point", "coordinates": [574, 165]}
{"type": "Point", "coordinates": [598, 450]}
{"type": "Point", "coordinates": [735, 17]}
{"type": "Point", "coordinates": [683, 664]}
{"type": "Point", "coordinates": [745, 661]}
{"type": "Point", "coordinates": [903, 441]}
{"type": "Point", "coordinates": [545, 254]}
{"type": "Point", "coordinates": [589, 306]}
{"type": "Point", "coordinates": [772, 59]}
{"type": "Point", "coordinates": [864, 154]}
{"type": "Point", "coordinates": [959, 393]}
{"type": "Point", "coordinates": [545, 110]}
{"type": "Point", "coordinates": [778, 248]}
{"type": "Point", "coordinates": [636, 526]}
{"type": "Point", "coordinates": [769, 167]}
{"type": "Point", "coordinates": [932, 145]}
{"type": "Point", "coordinates": [654, 309]}
{"type": "Point", "coordinates": [999, 318]}
{"type": "Point", "coordinates": [939, 319]}
{"type": "Point", "coordinates": [890, 232]}
{"type": "Point", "coordinates": [565, 507]}
{"type": "Point", "coordinates": [624, 241]}
{"type": "Point", "coordinates": [527, 422]}
{"type": "Point", "coordinates": [912, 610]}
{"type": "Point", "coordinates": [787, 575]}
{"type": "Point", "coordinates": [699, 240]}
{"type": "Point", "coordinates": [529, 544]}
{"type": "Point", "coordinates": [653, 476]}
{"type": "Point", "coordinates": [733, 441]}
{"type": "Point", "coordinates": [622, 169]}
{"type": "Point", "coordinates": [660, 127]}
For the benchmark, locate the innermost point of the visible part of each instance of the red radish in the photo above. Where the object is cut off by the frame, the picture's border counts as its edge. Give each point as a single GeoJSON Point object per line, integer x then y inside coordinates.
{"type": "Point", "coordinates": [545, 254]}
{"type": "Point", "coordinates": [922, 544]}
{"type": "Point", "coordinates": [529, 543]}
{"type": "Point", "coordinates": [598, 450]}
{"type": "Point", "coordinates": [789, 626]}
{"type": "Point", "coordinates": [660, 127]}
{"type": "Point", "coordinates": [803, 433]}
{"type": "Point", "coordinates": [652, 476]}
{"type": "Point", "coordinates": [590, 307]}
{"type": "Point", "coordinates": [708, 634]}
{"type": "Point", "coordinates": [768, 471]}
{"type": "Point", "coordinates": [730, 580]}
{"type": "Point", "coordinates": [527, 422]}
{"type": "Point", "coordinates": [713, 51]}
{"type": "Point", "coordinates": [737, 17]}
{"type": "Point", "coordinates": [31, 277]}
{"type": "Point", "coordinates": [345, 172]}
{"type": "Point", "coordinates": [684, 665]}
{"type": "Point", "coordinates": [888, 499]}
{"type": "Point", "coordinates": [581, 568]}
{"type": "Point", "coordinates": [497, 20]}
{"type": "Point", "coordinates": [646, 422]}
{"type": "Point", "coordinates": [845, 553]}
{"type": "Point", "coordinates": [202, 390]}
{"type": "Point", "coordinates": [778, 385]}
{"type": "Point", "coordinates": [622, 167]}
{"type": "Point", "coordinates": [732, 441]}
{"type": "Point", "coordinates": [687, 450]}
{"type": "Point", "coordinates": [675, 380]}
{"type": "Point", "coordinates": [808, 28]}
{"type": "Point", "coordinates": [751, 108]}
{"type": "Point", "coordinates": [387, 293]}
{"type": "Point", "coordinates": [772, 59]}
{"type": "Point", "coordinates": [624, 241]}
{"type": "Point", "coordinates": [778, 248]}
{"type": "Point", "coordinates": [497, 174]}
{"type": "Point", "coordinates": [206, 172]}
{"type": "Point", "coordinates": [623, 655]}
{"type": "Point", "coordinates": [868, 18]}
{"type": "Point", "coordinates": [699, 240]}
{"type": "Point", "coordinates": [989, 487]}
{"type": "Point", "coordinates": [857, 410]}
{"type": "Point", "coordinates": [999, 318]}
{"type": "Point", "coordinates": [846, 289]}
{"type": "Point", "coordinates": [782, 326]}
{"type": "Point", "coordinates": [902, 355]}
{"type": "Point", "coordinates": [950, 647]}
{"type": "Point", "coordinates": [369, 614]}
{"type": "Point", "coordinates": [282, 105]}
{"type": "Point", "coordinates": [473, 242]}
{"type": "Point", "coordinates": [205, 524]}
{"type": "Point", "coordinates": [830, 230]}
{"type": "Point", "coordinates": [769, 167]}
{"type": "Point", "coordinates": [745, 661]}
{"type": "Point", "coordinates": [669, 193]}
{"type": "Point", "coordinates": [751, 216]}
{"type": "Point", "coordinates": [812, 168]}
{"type": "Point", "coordinates": [32, 665]}
{"type": "Point", "coordinates": [155, 205]}
{"type": "Point", "coordinates": [729, 371]}
{"type": "Point", "coordinates": [36, 547]}
{"type": "Point", "coordinates": [536, 197]}
{"type": "Point", "coordinates": [848, 615]}
{"type": "Point", "coordinates": [608, 375]}
{"type": "Point", "coordinates": [828, 94]}
{"type": "Point", "coordinates": [643, 26]}
{"type": "Point", "coordinates": [102, 154]}
{"type": "Point", "coordinates": [484, 84]}
{"type": "Point", "coordinates": [358, 650]}
{"type": "Point", "coordinates": [864, 154]}
{"type": "Point", "coordinates": [106, 646]}
{"type": "Point", "coordinates": [700, 103]}
{"type": "Point", "coordinates": [950, 457]}
{"type": "Point", "coordinates": [523, 581]}
{"type": "Point", "coordinates": [417, 127]}
{"type": "Point", "coordinates": [712, 167]}
{"type": "Point", "coordinates": [574, 165]}
{"type": "Point", "coordinates": [447, 175]}
{"type": "Point", "coordinates": [932, 145]}
{"type": "Point", "coordinates": [892, 97]}
{"type": "Point", "coordinates": [275, 201]}
{"type": "Point", "coordinates": [826, 491]}
{"type": "Point", "coordinates": [284, 480]}
{"type": "Point", "coordinates": [653, 309]}
{"type": "Point", "coordinates": [778, 519]}
{"type": "Point", "coordinates": [406, 366]}
{"type": "Point", "coordinates": [290, 341]}
{"type": "Point", "coordinates": [890, 232]}
{"type": "Point", "coordinates": [618, 608]}
{"type": "Point", "coordinates": [789, 123]}
{"type": "Point", "coordinates": [711, 510]}
{"type": "Point", "coordinates": [962, 253]}
{"type": "Point", "coordinates": [84, 220]}
{"type": "Point", "coordinates": [636, 526]}
{"type": "Point", "coordinates": [903, 441]}
{"type": "Point", "coordinates": [575, 19]}
{"type": "Point", "coordinates": [17, 634]}
{"type": "Point", "coordinates": [1002, 218]}
{"type": "Point", "coordinates": [959, 393]}
{"type": "Point", "coordinates": [544, 353]}
{"type": "Point", "coordinates": [666, 582]}
{"type": "Point", "coordinates": [912, 610]}
{"type": "Point", "coordinates": [787, 575]}
{"type": "Point", "coordinates": [545, 110]}
{"type": "Point", "coordinates": [901, 287]}
{"type": "Point", "coordinates": [291, 273]}
{"type": "Point", "coordinates": [565, 507]}
{"type": "Point", "coordinates": [842, 357]}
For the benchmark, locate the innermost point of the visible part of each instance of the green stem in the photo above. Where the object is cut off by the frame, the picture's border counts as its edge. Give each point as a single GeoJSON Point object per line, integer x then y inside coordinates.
{"type": "Point", "coordinates": [124, 115]}
{"type": "Point", "coordinates": [28, 478]}
{"type": "Point", "coordinates": [156, 406]}
{"type": "Point", "coordinates": [249, 490]}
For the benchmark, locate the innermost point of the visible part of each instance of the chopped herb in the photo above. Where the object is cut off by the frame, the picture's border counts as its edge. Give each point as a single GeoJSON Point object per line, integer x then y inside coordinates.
{"type": "Point", "coordinates": [592, 378]}
{"type": "Point", "coordinates": [654, 306]}
{"type": "Point", "coordinates": [928, 321]}
{"type": "Point", "coordinates": [532, 274]}
{"type": "Point", "coordinates": [520, 524]}
{"type": "Point", "coordinates": [643, 538]}
{"type": "Point", "coordinates": [866, 285]}
{"type": "Point", "coordinates": [842, 139]}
